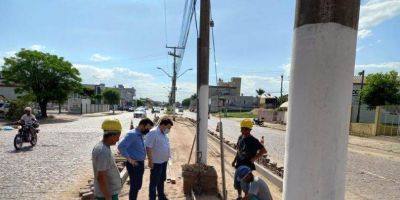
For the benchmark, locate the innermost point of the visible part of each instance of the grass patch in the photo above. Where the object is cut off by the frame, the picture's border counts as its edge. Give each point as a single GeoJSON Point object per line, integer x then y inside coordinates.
{"type": "Point", "coordinates": [237, 115]}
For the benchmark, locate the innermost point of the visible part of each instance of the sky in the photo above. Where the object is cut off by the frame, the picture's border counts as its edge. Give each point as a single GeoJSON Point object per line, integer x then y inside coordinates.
{"type": "Point", "coordinates": [123, 41]}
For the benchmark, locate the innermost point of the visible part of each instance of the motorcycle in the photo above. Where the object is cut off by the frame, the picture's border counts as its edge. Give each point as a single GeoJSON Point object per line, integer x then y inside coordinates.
{"type": "Point", "coordinates": [26, 133]}
{"type": "Point", "coordinates": [258, 122]}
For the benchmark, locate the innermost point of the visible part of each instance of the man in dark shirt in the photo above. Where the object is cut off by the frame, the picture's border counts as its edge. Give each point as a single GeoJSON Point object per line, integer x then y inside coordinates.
{"type": "Point", "coordinates": [249, 149]}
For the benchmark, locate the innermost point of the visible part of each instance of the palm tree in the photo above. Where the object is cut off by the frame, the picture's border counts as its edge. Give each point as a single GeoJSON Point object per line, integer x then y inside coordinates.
{"type": "Point", "coordinates": [260, 91]}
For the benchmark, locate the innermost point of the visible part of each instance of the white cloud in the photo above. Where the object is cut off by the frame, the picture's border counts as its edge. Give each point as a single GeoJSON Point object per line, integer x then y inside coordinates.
{"type": "Point", "coordinates": [286, 68]}
{"type": "Point", "coordinates": [37, 47]}
{"type": "Point", "coordinates": [375, 12]}
{"type": "Point", "coordinates": [4, 55]}
{"type": "Point", "coordinates": [387, 65]}
{"type": "Point", "coordinates": [145, 84]}
{"type": "Point", "coordinates": [360, 48]}
{"type": "Point", "coordinates": [250, 83]}
{"type": "Point", "coordinates": [363, 33]}
{"type": "Point", "coordinates": [99, 58]}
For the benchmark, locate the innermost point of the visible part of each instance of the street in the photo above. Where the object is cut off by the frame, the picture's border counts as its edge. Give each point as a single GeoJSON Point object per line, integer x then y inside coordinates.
{"type": "Point", "coordinates": [370, 174]}
{"type": "Point", "coordinates": [57, 165]}
{"type": "Point", "coordinates": [62, 160]}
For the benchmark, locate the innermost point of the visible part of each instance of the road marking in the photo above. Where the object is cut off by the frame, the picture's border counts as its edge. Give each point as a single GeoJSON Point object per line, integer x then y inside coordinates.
{"type": "Point", "coordinates": [372, 174]}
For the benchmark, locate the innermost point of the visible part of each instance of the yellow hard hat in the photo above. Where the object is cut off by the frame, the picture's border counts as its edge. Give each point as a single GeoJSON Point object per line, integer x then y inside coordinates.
{"type": "Point", "coordinates": [111, 124]}
{"type": "Point", "coordinates": [246, 123]}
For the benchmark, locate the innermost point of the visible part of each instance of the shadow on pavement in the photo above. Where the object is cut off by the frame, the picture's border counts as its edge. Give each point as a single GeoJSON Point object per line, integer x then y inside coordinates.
{"type": "Point", "coordinates": [22, 150]}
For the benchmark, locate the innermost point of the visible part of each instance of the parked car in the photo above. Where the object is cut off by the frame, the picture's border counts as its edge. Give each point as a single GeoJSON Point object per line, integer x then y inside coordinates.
{"type": "Point", "coordinates": [139, 113]}
{"type": "Point", "coordinates": [156, 110]}
{"type": "Point", "coordinates": [4, 107]}
{"type": "Point", "coordinates": [131, 109]}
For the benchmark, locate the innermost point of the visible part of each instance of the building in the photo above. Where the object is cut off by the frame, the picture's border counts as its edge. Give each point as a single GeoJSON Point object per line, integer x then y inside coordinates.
{"type": "Point", "coordinates": [7, 91]}
{"type": "Point", "coordinates": [127, 94]}
{"type": "Point", "coordinates": [227, 96]}
{"type": "Point", "coordinates": [366, 115]}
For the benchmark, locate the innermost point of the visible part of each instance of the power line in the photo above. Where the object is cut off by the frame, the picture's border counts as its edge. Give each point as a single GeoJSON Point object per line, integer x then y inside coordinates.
{"type": "Point", "coordinates": [195, 18]}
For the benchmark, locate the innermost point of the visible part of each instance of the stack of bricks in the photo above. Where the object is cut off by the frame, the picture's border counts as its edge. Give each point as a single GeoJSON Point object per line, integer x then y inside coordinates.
{"type": "Point", "coordinates": [87, 192]}
{"type": "Point", "coordinates": [199, 178]}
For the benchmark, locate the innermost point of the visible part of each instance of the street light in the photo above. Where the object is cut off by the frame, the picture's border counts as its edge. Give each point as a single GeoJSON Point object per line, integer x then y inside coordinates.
{"type": "Point", "coordinates": [174, 77]}
{"type": "Point", "coordinates": [185, 72]}
{"type": "Point", "coordinates": [164, 71]}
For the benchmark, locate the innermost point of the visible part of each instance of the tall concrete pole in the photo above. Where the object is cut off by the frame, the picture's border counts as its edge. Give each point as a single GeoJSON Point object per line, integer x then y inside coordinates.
{"type": "Point", "coordinates": [323, 59]}
{"type": "Point", "coordinates": [174, 77]}
{"type": "Point", "coordinates": [202, 81]}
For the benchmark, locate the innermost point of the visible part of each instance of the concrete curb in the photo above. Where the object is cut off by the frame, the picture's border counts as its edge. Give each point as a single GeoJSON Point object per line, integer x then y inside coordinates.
{"type": "Point", "coordinates": [275, 179]}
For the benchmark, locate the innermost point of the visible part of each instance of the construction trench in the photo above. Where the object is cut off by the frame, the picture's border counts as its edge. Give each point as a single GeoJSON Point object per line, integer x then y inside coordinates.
{"type": "Point", "coordinates": [198, 181]}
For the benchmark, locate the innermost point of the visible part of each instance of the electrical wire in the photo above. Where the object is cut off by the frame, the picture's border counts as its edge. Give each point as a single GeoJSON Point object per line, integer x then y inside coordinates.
{"type": "Point", "coordinates": [195, 18]}
{"type": "Point", "coordinates": [189, 10]}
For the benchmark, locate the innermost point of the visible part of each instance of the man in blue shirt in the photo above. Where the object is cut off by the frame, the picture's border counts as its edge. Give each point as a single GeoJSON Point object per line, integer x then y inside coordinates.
{"type": "Point", "coordinates": [133, 149]}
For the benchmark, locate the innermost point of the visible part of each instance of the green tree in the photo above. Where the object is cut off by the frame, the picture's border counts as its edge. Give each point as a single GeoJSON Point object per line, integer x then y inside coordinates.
{"type": "Point", "coordinates": [260, 92]}
{"type": "Point", "coordinates": [140, 102]}
{"type": "Point", "coordinates": [98, 98]}
{"type": "Point", "coordinates": [186, 102]}
{"type": "Point", "coordinates": [87, 91]}
{"type": "Point", "coordinates": [283, 99]}
{"type": "Point", "coordinates": [47, 77]}
{"type": "Point", "coordinates": [111, 96]}
{"type": "Point", "coordinates": [381, 89]}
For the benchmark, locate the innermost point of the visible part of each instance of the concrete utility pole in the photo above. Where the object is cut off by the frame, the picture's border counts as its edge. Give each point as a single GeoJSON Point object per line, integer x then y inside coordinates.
{"type": "Point", "coordinates": [202, 81]}
{"type": "Point", "coordinates": [174, 77]}
{"type": "Point", "coordinates": [323, 59]}
{"type": "Point", "coordinates": [359, 95]}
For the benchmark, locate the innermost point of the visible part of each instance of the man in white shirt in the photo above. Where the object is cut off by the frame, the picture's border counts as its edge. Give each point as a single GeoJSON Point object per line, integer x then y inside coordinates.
{"type": "Point", "coordinates": [28, 117]}
{"type": "Point", "coordinates": [158, 154]}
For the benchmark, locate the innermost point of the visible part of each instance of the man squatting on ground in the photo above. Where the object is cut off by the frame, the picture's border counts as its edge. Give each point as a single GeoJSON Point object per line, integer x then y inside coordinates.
{"type": "Point", "coordinates": [107, 182]}
{"type": "Point", "coordinates": [249, 149]}
{"type": "Point", "coordinates": [257, 188]}
{"type": "Point", "coordinates": [133, 149]}
{"type": "Point", "coordinates": [158, 154]}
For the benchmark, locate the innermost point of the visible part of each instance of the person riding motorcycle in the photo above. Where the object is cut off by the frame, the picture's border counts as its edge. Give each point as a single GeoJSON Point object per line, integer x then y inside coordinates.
{"type": "Point", "coordinates": [28, 119]}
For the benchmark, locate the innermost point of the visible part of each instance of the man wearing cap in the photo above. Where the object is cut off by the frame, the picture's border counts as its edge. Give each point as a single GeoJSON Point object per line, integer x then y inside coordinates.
{"type": "Point", "coordinates": [249, 149]}
{"type": "Point", "coordinates": [107, 182]}
{"type": "Point", "coordinates": [28, 117]}
{"type": "Point", "coordinates": [133, 149]}
{"type": "Point", "coordinates": [257, 188]}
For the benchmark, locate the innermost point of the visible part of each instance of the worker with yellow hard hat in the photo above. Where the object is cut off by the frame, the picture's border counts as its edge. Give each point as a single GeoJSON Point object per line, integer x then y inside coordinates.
{"type": "Point", "coordinates": [249, 149]}
{"type": "Point", "coordinates": [107, 182]}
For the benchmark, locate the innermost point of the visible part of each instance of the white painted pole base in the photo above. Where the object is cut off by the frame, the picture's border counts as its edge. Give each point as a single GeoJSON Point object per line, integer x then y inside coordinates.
{"type": "Point", "coordinates": [319, 112]}
{"type": "Point", "coordinates": [203, 125]}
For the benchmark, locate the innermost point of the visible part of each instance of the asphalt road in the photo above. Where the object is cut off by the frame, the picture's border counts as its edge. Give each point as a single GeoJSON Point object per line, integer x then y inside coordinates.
{"type": "Point", "coordinates": [369, 174]}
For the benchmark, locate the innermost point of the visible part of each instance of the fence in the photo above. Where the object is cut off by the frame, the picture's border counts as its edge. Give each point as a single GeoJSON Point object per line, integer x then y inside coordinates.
{"type": "Point", "coordinates": [382, 120]}
{"type": "Point", "coordinates": [389, 120]}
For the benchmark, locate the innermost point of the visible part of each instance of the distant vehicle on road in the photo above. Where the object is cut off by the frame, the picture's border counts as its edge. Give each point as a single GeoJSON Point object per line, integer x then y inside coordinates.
{"type": "Point", "coordinates": [139, 113]}
{"type": "Point", "coordinates": [131, 109]}
{"type": "Point", "coordinates": [4, 107]}
{"type": "Point", "coordinates": [180, 109]}
{"type": "Point", "coordinates": [156, 110]}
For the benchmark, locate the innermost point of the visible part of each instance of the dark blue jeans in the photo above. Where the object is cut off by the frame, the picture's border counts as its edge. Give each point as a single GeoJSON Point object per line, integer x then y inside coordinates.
{"type": "Point", "coordinates": [136, 178]}
{"type": "Point", "coordinates": [158, 175]}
